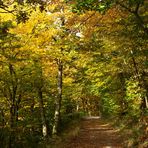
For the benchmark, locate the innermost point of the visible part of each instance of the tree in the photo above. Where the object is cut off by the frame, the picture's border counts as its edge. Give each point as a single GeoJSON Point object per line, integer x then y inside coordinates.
{"type": "Point", "coordinates": [133, 7]}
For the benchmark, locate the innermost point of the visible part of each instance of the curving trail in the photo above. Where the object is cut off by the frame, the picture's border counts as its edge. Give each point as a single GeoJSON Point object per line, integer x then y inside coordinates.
{"type": "Point", "coordinates": [96, 133]}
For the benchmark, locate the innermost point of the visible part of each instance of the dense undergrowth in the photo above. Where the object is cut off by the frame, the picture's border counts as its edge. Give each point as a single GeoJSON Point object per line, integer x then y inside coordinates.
{"type": "Point", "coordinates": [70, 129]}
{"type": "Point", "coordinates": [55, 62]}
{"type": "Point", "coordinates": [26, 138]}
{"type": "Point", "coordinates": [133, 131]}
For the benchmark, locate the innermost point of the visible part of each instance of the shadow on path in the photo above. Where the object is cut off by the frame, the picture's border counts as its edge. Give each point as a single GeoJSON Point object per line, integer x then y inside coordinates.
{"type": "Point", "coordinates": [95, 133]}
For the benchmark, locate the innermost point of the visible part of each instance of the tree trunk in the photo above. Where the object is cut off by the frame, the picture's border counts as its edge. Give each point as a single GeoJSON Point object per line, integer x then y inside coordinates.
{"type": "Point", "coordinates": [58, 99]}
{"type": "Point", "coordinates": [122, 101]}
{"type": "Point", "coordinates": [12, 115]}
{"type": "Point", "coordinates": [44, 125]}
{"type": "Point", "coordinates": [17, 107]}
{"type": "Point", "coordinates": [141, 23]}
{"type": "Point", "coordinates": [32, 114]}
{"type": "Point", "coordinates": [2, 117]}
{"type": "Point", "coordinates": [12, 124]}
{"type": "Point", "coordinates": [12, 95]}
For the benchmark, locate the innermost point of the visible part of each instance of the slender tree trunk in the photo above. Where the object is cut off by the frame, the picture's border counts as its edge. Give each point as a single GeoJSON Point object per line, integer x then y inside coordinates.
{"type": "Point", "coordinates": [12, 124]}
{"type": "Point", "coordinates": [141, 23]}
{"type": "Point", "coordinates": [123, 93]}
{"type": "Point", "coordinates": [17, 107]}
{"type": "Point", "coordinates": [145, 85]}
{"type": "Point", "coordinates": [39, 86]}
{"type": "Point", "coordinates": [2, 117]}
{"type": "Point", "coordinates": [83, 104]}
{"type": "Point", "coordinates": [135, 12]}
{"type": "Point", "coordinates": [44, 125]}
{"type": "Point", "coordinates": [32, 114]}
{"type": "Point", "coordinates": [12, 111]}
{"type": "Point", "coordinates": [77, 106]}
{"type": "Point", "coordinates": [58, 99]}
{"type": "Point", "coordinates": [12, 115]}
{"type": "Point", "coordinates": [12, 96]}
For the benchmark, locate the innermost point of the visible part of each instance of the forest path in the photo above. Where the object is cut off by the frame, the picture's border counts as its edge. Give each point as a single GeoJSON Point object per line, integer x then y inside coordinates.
{"type": "Point", "coordinates": [95, 133]}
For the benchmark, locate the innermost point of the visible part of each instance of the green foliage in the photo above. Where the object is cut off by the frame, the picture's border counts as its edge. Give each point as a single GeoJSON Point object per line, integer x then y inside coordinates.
{"type": "Point", "coordinates": [82, 6]}
{"type": "Point", "coordinates": [4, 28]}
{"type": "Point", "coordinates": [110, 108]}
{"type": "Point", "coordinates": [67, 119]}
{"type": "Point", "coordinates": [134, 96]}
{"type": "Point", "coordinates": [104, 69]}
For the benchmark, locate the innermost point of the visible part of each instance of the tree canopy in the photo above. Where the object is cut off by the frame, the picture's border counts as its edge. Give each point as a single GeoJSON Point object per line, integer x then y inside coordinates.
{"type": "Point", "coordinates": [60, 60]}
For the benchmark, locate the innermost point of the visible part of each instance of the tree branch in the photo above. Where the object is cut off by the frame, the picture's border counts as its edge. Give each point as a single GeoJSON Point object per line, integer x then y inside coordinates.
{"type": "Point", "coordinates": [5, 9]}
{"type": "Point", "coordinates": [137, 7]}
{"type": "Point", "coordinates": [136, 14]}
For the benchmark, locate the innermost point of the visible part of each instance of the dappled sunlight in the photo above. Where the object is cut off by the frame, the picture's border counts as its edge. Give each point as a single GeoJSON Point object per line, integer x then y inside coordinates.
{"type": "Point", "coordinates": [94, 134]}
{"type": "Point", "coordinates": [73, 61]}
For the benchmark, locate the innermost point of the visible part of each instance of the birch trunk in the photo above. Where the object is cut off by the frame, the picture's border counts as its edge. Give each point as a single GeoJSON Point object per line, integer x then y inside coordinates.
{"type": "Point", "coordinates": [44, 125]}
{"type": "Point", "coordinates": [58, 99]}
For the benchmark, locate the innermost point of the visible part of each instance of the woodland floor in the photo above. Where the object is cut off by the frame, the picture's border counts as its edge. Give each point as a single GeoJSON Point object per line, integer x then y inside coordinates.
{"type": "Point", "coordinates": [95, 133]}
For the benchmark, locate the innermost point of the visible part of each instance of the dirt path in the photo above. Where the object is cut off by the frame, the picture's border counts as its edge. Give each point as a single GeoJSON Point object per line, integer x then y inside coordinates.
{"type": "Point", "coordinates": [95, 133]}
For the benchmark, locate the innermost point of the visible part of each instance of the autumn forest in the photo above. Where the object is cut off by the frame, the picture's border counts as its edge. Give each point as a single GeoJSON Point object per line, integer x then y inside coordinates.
{"type": "Point", "coordinates": [62, 60]}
